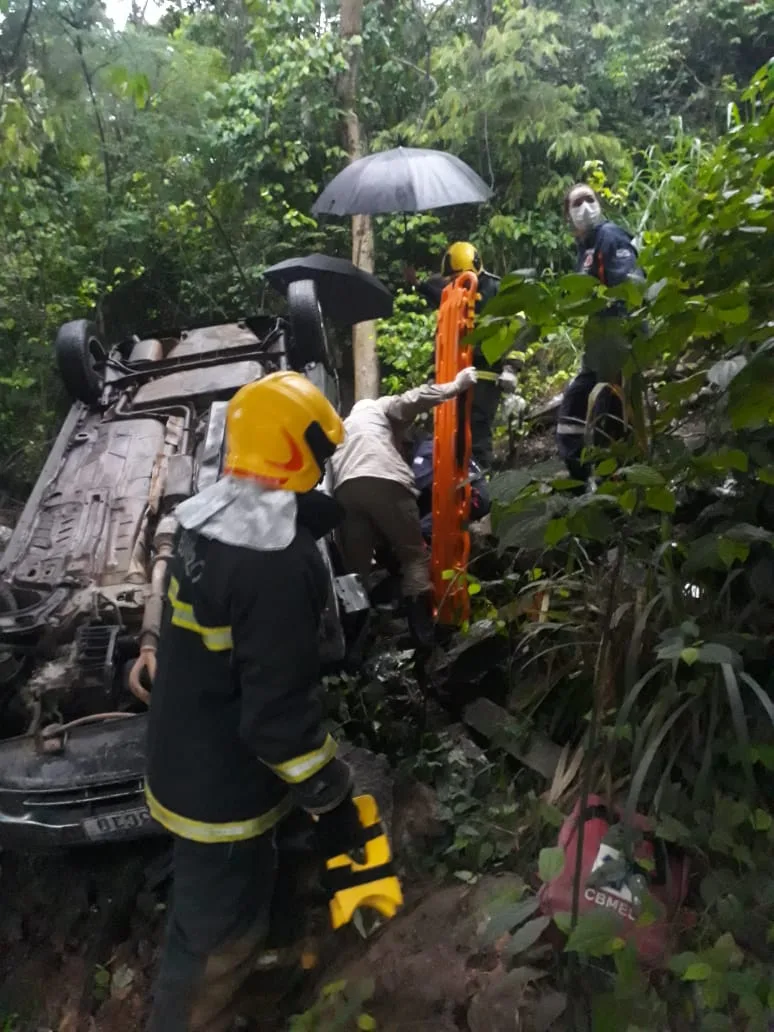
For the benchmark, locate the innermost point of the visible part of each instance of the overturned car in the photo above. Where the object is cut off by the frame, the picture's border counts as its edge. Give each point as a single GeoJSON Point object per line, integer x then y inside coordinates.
{"type": "Point", "coordinates": [83, 577]}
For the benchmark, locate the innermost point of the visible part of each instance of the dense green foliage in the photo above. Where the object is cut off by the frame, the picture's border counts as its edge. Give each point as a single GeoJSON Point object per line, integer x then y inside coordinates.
{"type": "Point", "coordinates": [660, 583]}
{"type": "Point", "coordinates": [150, 173]}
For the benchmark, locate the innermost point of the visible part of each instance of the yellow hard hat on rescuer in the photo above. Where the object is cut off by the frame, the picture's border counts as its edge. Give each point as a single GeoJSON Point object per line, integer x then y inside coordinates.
{"type": "Point", "coordinates": [280, 430]}
{"type": "Point", "coordinates": [461, 257]}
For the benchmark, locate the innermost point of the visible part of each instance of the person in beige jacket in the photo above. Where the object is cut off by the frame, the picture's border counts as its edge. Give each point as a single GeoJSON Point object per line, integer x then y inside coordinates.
{"type": "Point", "coordinates": [375, 486]}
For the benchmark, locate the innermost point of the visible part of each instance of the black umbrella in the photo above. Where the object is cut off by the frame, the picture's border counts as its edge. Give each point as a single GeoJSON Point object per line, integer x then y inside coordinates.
{"type": "Point", "coordinates": [347, 294]}
{"type": "Point", "coordinates": [404, 179]}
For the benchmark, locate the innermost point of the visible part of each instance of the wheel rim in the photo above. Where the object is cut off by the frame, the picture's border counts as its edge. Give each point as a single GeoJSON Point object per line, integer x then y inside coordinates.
{"type": "Point", "coordinates": [97, 357]}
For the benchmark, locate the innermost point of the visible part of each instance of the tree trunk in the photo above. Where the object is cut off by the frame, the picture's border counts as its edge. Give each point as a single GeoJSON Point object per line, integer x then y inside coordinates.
{"type": "Point", "coordinates": [364, 354]}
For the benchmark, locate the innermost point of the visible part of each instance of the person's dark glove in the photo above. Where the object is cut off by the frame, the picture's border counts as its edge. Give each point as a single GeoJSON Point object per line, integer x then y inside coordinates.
{"type": "Point", "coordinates": [339, 830]}
{"type": "Point", "coordinates": [325, 789]}
{"type": "Point", "coordinates": [318, 512]}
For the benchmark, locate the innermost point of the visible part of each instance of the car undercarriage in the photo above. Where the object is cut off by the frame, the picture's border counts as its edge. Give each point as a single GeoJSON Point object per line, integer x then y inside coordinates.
{"type": "Point", "coordinates": [82, 581]}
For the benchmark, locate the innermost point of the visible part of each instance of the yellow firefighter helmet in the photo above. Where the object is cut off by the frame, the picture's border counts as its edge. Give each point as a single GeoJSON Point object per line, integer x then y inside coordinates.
{"type": "Point", "coordinates": [281, 430]}
{"type": "Point", "coordinates": [461, 257]}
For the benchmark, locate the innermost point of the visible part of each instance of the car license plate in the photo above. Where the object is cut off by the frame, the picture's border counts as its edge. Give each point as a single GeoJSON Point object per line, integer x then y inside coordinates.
{"type": "Point", "coordinates": [116, 824]}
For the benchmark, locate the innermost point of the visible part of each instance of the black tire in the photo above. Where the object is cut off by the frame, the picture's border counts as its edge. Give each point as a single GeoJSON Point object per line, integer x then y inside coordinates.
{"type": "Point", "coordinates": [309, 342]}
{"type": "Point", "coordinates": [80, 357]}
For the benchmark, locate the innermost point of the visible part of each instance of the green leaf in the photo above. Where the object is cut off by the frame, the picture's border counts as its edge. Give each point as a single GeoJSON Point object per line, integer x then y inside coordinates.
{"type": "Point", "coordinates": [527, 936]}
{"type": "Point", "coordinates": [556, 531]}
{"type": "Point", "coordinates": [734, 316]}
{"type": "Point", "coordinates": [577, 284]}
{"type": "Point", "coordinates": [729, 551]}
{"type": "Point", "coordinates": [751, 394]}
{"type": "Point", "coordinates": [761, 820]}
{"type": "Point", "coordinates": [681, 962]}
{"type": "Point", "coordinates": [713, 653]}
{"type": "Point", "coordinates": [628, 500]}
{"type": "Point", "coordinates": [366, 1023]}
{"type": "Point", "coordinates": [505, 487]}
{"type": "Point", "coordinates": [595, 934]}
{"type": "Point", "coordinates": [609, 1013]}
{"type": "Point", "coordinates": [739, 718]}
{"type": "Point", "coordinates": [715, 1022]}
{"type": "Point", "coordinates": [698, 972]}
{"type": "Point", "coordinates": [563, 922]}
{"type": "Point", "coordinates": [689, 656]}
{"type": "Point", "coordinates": [661, 499]}
{"type": "Point", "coordinates": [101, 977]}
{"type": "Point", "coordinates": [645, 476]}
{"type": "Point", "coordinates": [606, 348]}
{"type": "Point", "coordinates": [550, 863]}
{"type": "Point", "coordinates": [703, 554]}
{"type": "Point", "coordinates": [505, 919]}
{"type": "Point", "coordinates": [749, 533]}
{"type": "Point", "coordinates": [334, 988]}
{"type": "Point", "coordinates": [606, 467]}
{"type": "Point", "coordinates": [672, 830]}
{"type": "Point", "coordinates": [591, 521]}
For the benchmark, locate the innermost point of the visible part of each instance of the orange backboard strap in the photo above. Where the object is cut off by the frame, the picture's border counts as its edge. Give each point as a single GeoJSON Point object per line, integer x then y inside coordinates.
{"type": "Point", "coordinates": [451, 455]}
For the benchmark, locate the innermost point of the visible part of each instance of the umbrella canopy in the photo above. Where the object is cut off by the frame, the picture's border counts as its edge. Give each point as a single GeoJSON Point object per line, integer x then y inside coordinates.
{"type": "Point", "coordinates": [348, 295]}
{"type": "Point", "coordinates": [404, 179]}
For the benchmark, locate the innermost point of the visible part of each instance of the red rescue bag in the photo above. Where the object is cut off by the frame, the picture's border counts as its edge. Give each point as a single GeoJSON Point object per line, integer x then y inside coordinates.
{"type": "Point", "coordinates": [663, 871]}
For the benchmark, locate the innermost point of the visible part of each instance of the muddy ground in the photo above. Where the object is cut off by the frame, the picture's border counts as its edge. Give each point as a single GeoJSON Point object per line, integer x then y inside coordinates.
{"type": "Point", "coordinates": [80, 934]}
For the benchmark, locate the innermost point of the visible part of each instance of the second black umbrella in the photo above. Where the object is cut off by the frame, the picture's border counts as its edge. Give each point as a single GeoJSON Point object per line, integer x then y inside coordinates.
{"type": "Point", "coordinates": [347, 295]}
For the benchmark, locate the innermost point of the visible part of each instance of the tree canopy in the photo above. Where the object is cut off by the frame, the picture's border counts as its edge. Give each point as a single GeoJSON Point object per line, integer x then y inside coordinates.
{"type": "Point", "coordinates": [151, 172]}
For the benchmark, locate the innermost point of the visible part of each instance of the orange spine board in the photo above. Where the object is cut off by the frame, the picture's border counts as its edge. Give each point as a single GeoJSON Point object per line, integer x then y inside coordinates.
{"type": "Point", "coordinates": [451, 455]}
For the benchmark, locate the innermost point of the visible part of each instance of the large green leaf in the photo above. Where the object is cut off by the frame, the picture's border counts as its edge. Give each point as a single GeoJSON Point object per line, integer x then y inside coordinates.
{"type": "Point", "coordinates": [595, 934]}
{"type": "Point", "coordinates": [551, 863]}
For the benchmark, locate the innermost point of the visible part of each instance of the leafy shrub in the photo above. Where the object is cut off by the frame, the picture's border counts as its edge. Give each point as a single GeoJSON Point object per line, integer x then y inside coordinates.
{"type": "Point", "coordinates": [660, 582]}
{"type": "Point", "coordinates": [406, 344]}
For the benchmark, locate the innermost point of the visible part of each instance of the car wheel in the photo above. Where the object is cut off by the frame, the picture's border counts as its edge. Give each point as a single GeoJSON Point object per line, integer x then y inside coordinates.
{"type": "Point", "coordinates": [81, 357]}
{"type": "Point", "coordinates": [309, 342]}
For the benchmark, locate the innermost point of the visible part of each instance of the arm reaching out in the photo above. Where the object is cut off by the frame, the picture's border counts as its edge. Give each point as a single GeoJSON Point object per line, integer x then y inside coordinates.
{"type": "Point", "coordinates": [406, 407]}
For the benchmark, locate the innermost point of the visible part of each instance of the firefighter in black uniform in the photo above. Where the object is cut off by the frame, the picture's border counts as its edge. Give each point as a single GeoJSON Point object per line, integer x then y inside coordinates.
{"type": "Point", "coordinates": [606, 251]}
{"type": "Point", "coordinates": [236, 737]}
{"type": "Point", "coordinates": [492, 381]}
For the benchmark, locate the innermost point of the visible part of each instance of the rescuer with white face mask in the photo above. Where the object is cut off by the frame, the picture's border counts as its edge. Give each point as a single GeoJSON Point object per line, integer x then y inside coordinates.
{"type": "Point", "coordinates": [605, 251]}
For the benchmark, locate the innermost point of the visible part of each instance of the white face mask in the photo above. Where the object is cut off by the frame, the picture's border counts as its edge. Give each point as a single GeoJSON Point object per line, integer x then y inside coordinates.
{"type": "Point", "coordinates": [585, 216]}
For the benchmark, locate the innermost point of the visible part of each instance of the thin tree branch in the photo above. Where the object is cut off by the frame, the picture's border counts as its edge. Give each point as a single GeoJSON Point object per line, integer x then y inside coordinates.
{"type": "Point", "coordinates": [8, 66]}
{"type": "Point", "coordinates": [229, 247]}
{"type": "Point", "coordinates": [97, 116]}
{"type": "Point", "coordinates": [19, 38]}
{"type": "Point", "coordinates": [422, 71]}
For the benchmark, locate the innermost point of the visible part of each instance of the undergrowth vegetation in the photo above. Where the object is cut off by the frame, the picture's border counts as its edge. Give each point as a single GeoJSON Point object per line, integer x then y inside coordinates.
{"type": "Point", "coordinates": [639, 616]}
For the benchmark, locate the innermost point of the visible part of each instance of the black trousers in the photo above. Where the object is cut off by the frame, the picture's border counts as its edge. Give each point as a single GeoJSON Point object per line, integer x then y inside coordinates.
{"type": "Point", "coordinates": [571, 425]}
{"type": "Point", "coordinates": [607, 417]}
{"type": "Point", "coordinates": [486, 398]}
{"type": "Point", "coordinates": [219, 917]}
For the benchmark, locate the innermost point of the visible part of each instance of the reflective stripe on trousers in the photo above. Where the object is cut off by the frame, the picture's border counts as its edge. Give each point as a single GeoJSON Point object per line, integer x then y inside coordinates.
{"type": "Point", "coordinates": [299, 768]}
{"type": "Point", "coordinates": [571, 426]}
